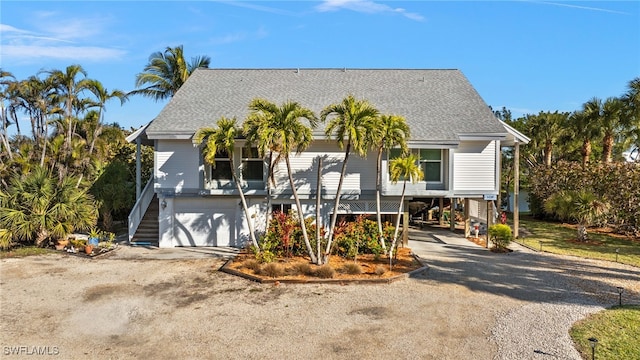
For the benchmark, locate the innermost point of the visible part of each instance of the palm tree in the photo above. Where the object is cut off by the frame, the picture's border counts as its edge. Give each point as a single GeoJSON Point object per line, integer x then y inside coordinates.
{"type": "Point", "coordinates": [5, 81]}
{"type": "Point", "coordinates": [280, 130]}
{"type": "Point", "coordinates": [223, 139]}
{"type": "Point", "coordinates": [632, 108]}
{"type": "Point", "coordinates": [68, 90]}
{"type": "Point", "coordinates": [611, 124]}
{"type": "Point", "coordinates": [351, 125]}
{"type": "Point", "coordinates": [36, 207]}
{"type": "Point", "coordinates": [389, 131]}
{"type": "Point", "coordinates": [403, 168]}
{"type": "Point", "coordinates": [102, 96]}
{"type": "Point", "coordinates": [547, 128]}
{"type": "Point", "coordinates": [166, 72]}
{"type": "Point", "coordinates": [584, 128]}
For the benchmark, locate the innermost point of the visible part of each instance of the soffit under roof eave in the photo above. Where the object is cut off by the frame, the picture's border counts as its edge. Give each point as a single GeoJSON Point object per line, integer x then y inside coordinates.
{"type": "Point", "coordinates": [482, 136]}
{"type": "Point", "coordinates": [142, 134]}
{"type": "Point", "coordinates": [514, 135]}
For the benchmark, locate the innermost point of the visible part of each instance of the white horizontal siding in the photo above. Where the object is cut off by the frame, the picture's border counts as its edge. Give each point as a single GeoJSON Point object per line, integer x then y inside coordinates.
{"type": "Point", "coordinates": [360, 172]}
{"type": "Point", "coordinates": [176, 165]}
{"type": "Point", "coordinates": [474, 166]}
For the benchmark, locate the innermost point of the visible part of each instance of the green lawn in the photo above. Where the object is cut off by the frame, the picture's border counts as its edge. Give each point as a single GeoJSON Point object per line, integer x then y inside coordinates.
{"type": "Point", "coordinates": [557, 239]}
{"type": "Point", "coordinates": [25, 251]}
{"type": "Point", "coordinates": [617, 332]}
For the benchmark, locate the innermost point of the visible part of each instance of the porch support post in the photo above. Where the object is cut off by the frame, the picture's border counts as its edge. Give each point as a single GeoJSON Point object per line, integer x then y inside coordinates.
{"type": "Point", "coordinates": [452, 215]}
{"type": "Point", "coordinates": [441, 212]}
{"type": "Point", "coordinates": [138, 168]}
{"type": "Point", "coordinates": [516, 189]}
{"type": "Point", "coordinates": [489, 215]}
{"type": "Point", "coordinates": [467, 221]}
{"type": "Point", "coordinates": [405, 224]}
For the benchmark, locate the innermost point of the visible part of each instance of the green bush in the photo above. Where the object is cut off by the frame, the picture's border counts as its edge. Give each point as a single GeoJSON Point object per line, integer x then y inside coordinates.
{"type": "Point", "coordinates": [360, 237]}
{"type": "Point", "coordinates": [617, 184]}
{"type": "Point", "coordinates": [284, 235]}
{"type": "Point", "coordinates": [500, 235]}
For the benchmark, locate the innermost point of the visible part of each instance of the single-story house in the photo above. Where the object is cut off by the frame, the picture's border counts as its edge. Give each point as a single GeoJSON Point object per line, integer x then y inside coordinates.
{"type": "Point", "coordinates": [187, 203]}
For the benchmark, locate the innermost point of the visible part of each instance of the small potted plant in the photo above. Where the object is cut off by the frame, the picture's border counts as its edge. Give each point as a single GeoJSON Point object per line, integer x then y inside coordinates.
{"type": "Point", "coordinates": [92, 241]}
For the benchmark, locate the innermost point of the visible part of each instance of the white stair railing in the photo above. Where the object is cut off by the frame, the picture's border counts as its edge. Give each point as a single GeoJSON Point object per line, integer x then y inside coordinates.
{"type": "Point", "coordinates": [139, 209]}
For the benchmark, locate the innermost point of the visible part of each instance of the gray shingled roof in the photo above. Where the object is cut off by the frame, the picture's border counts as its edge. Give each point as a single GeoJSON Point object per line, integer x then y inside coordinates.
{"type": "Point", "coordinates": [439, 105]}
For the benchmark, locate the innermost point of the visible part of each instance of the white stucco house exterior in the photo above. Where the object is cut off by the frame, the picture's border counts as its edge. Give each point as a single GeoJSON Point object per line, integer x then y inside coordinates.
{"type": "Point", "coordinates": [187, 203]}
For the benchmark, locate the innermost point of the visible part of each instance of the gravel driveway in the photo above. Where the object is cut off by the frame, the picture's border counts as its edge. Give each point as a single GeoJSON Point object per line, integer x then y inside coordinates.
{"type": "Point", "coordinates": [141, 303]}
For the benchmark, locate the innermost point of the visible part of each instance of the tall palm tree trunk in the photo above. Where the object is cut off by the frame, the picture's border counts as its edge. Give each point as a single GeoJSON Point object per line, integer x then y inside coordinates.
{"type": "Point", "coordinates": [334, 216]}
{"type": "Point", "coordinates": [269, 180]}
{"type": "Point", "coordinates": [547, 153]}
{"type": "Point", "coordinates": [396, 230]}
{"type": "Point", "coordinates": [378, 191]}
{"type": "Point", "coordinates": [586, 152]}
{"type": "Point", "coordinates": [607, 148]}
{"type": "Point", "coordinates": [307, 243]}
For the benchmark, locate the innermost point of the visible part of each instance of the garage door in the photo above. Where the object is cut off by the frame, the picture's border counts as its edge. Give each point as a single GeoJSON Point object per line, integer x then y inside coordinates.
{"type": "Point", "coordinates": [205, 227]}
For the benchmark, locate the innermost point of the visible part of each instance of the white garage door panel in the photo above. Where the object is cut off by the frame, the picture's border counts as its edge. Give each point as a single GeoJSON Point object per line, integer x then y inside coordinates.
{"type": "Point", "coordinates": [205, 227]}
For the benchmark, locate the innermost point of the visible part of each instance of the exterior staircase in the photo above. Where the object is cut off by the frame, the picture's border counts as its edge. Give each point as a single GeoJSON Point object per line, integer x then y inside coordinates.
{"type": "Point", "coordinates": [148, 231]}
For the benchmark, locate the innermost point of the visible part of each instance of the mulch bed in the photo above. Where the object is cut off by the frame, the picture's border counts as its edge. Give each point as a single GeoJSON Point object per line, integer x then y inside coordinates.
{"type": "Point", "coordinates": [406, 263]}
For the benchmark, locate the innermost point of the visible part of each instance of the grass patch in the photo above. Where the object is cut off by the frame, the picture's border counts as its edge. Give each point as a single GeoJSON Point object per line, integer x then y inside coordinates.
{"type": "Point", "coordinates": [25, 251]}
{"type": "Point", "coordinates": [558, 239]}
{"type": "Point", "coordinates": [617, 332]}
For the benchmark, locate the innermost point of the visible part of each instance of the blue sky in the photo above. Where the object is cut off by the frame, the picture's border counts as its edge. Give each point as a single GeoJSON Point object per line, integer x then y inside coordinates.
{"type": "Point", "coordinates": [525, 55]}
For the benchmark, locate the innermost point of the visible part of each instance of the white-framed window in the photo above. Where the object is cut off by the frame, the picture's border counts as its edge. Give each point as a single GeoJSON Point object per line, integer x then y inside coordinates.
{"type": "Point", "coordinates": [429, 160]}
{"type": "Point", "coordinates": [221, 171]}
{"type": "Point", "coordinates": [252, 165]}
{"type": "Point", "coordinates": [431, 164]}
{"type": "Point", "coordinates": [284, 208]}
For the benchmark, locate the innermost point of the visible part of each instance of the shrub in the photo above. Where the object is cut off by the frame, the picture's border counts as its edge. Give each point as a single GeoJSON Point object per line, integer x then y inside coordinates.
{"type": "Point", "coordinates": [6, 239]}
{"type": "Point", "coordinates": [252, 265]}
{"type": "Point", "coordinates": [352, 269]}
{"type": "Point", "coordinates": [284, 235]}
{"type": "Point", "coordinates": [266, 256]}
{"type": "Point", "coordinates": [617, 184]}
{"type": "Point", "coordinates": [273, 270]}
{"type": "Point", "coordinates": [360, 237]}
{"type": "Point", "coordinates": [380, 270]}
{"type": "Point", "coordinates": [500, 235]}
{"type": "Point", "coordinates": [325, 272]}
{"type": "Point", "coordinates": [301, 269]}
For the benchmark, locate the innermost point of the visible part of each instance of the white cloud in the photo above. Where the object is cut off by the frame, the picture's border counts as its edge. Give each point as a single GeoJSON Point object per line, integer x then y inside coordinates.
{"type": "Point", "coordinates": [25, 52]}
{"type": "Point", "coordinates": [365, 6]}
{"type": "Point", "coordinates": [582, 7]}
{"type": "Point", "coordinates": [260, 33]}
{"type": "Point", "coordinates": [72, 40]}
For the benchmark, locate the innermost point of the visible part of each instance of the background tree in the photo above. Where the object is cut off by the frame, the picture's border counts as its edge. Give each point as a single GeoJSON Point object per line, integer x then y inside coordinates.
{"type": "Point", "coordinates": [281, 130]}
{"type": "Point", "coordinates": [546, 128]}
{"type": "Point", "coordinates": [166, 72]}
{"type": "Point", "coordinates": [351, 124]}
{"type": "Point", "coordinates": [222, 139]}
{"type": "Point", "coordinates": [611, 124]}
